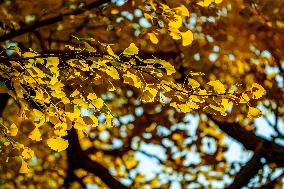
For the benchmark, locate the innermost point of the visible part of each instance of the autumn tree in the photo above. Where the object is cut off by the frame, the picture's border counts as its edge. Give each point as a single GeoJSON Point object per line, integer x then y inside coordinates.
{"type": "Point", "coordinates": [141, 94]}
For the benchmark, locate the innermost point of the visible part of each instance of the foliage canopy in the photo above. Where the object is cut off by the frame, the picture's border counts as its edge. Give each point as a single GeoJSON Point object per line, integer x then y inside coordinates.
{"type": "Point", "coordinates": [90, 87]}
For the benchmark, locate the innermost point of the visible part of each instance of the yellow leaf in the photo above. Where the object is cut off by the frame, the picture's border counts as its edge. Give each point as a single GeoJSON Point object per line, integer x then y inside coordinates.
{"type": "Point", "coordinates": [110, 51]}
{"type": "Point", "coordinates": [187, 37]}
{"type": "Point", "coordinates": [35, 135]}
{"type": "Point", "coordinates": [53, 80]}
{"type": "Point", "coordinates": [111, 71]}
{"type": "Point", "coordinates": [80, 102]}
{"type": "Point", "coordinates": [194, 84]}
{"type": "Point", "coordinates": [114, 11]}
{"type": "Point", "coordinates": [80, 124]}
{"type": "Point", "coordinates": [257, 91]}
{"type": "Point", "coordinates": [185, 108]}
{"type": "Point", "coordinates": [60, 129]}
{"type": "Point", "coordinates": [38, 113]}
{"type": "Point", "coordinates": [37, 72]}
{"type": "Point", "coordinates": [244, 98]}
{"type": "Point", "coordinates": [219, 109]}
{"type": "Point", "coordinates": [29, 54]}
{"type": "Point", "coordinates": [108, 121]}
{"type": "Point", "coordinates": [92, 96]}
{"type": "Point", "coordinates": [205, 3]}
{"type": "Point", "coordinates": [149, 94]}
{"type": "Point", "coordinates": [89, 47]}
{"type": "Point", "coordinates": [218, 86]}
{"type": "Point", "coordinates": [148, 16]}
{"type": "Point", "coordinates": [27, 153]}
{"type": "Point", "coordinates": [95, 121]}
{"type": "Point", "coordinates": [99, 103]}
{"type": "Point", "coordinates": [182, 10]}
{"type": "Point", "coordinates": [202, 92]}
{"type": "Point", "coordinates": [253, 113]}
{"type": "Point", "coordinates": [75, 114]}
{"type": "Point", "coordinates": [39, 95]}
{"type": "Point", "coordinates": [57, 87]}
{"type": "Point", "coordinates": [13, 130]}
{"type": "Point", "coordinates": [175, 33]}
{"type": "Point", "coordinates": [132, 79]}
{"type": "Point", "coordinates": [58, 144]}
{"type": "Point", "coordinates": [226, 103]}
{"type": "Point", "coordinates": [131, 50]}
{"type": "Point", "coordinates": [176, 23]}
{"type": "Point", "coordinates": [75, 93]}
{"type": "Point", "coordinates": [195, 98]}
{"type": "Point", "coordinates": [52, 62]}
{"type": "Point", "coordinates": [169, 68]}
{"type": "Point", "coordinates": [176, 136]}
{"type": "Point", "coordinates": [24, 167]}
{"type": "Point", "coordinates": [65, 100]}
{"type": "Point", "coordinates": [153, 38]}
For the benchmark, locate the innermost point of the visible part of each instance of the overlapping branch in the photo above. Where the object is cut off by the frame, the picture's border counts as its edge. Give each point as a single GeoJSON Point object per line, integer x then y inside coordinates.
{"type": "Point", "coordinates": [52, 20]}
{"type": "Point", "coordinates": [271, 151]}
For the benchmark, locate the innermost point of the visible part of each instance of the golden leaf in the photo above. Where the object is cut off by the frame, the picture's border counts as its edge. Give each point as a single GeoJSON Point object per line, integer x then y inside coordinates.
{"type": "Point", "coordinates": [226, 103]}
{"type": "Point", "coordinates": [92, 96]}
{"type": "Point", "coordinates": [13, 130]}
{"type": "Point", "coordinates": [111, 71]}
{"type": "Point", "coordinates": [132, 79]}
{"type": "Point", "coordinates": [194, 84]}
{"type": "Point", "coordinates": [131, 50]}
{"type": "Point", "coordinates": [58, 144]}
{"type": "Point", "coordinates": [27, 153]}
{"type": "Point", "coordinates": [187, 37]}
{"type": "Point", "coordinates": [218, 86]}
{"type": "Point", "coordinates": [257, 91]}
{"type": "Point", "coordinates": [176, 23]}
{"type": "Point", "coordinates": [24, 167]}
{"type": "Point", "coordinates": [35, 135]}
{"type": "Point", "coordinates": [182, 10]}
{"type": "Point", "coordinates": [153, 38]}
{"type": "Point", "coordinates": [253, 113]}
{"type": "Point", "coordinates": [169, 68]}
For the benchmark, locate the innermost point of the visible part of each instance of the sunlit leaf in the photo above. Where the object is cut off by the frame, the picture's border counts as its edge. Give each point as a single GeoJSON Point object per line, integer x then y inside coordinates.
{"type": "Point", "coordinates": [187, 37]}
{"type": "Point", "coordinates": [131, 50]}
{"type": "Point", "coordinates": [13, 129]}
{"type": "Point", "coordinates": [27, 153]}
{"type": "Point", "coordinates": [257, 91]}
{"type": "Point", "coordinates": [58, 144]}
{"type": "Point", "coordinates": [253, 113]}
{"type": "Point", "coordinates": [182, 10]}
{"type": "Point", "coordinates": [24, 168]}
{"type": "Point", "coordinates": [153, 38]}
{"type": "Point", "coordinates": [218, 86]}
{"type": "Point", "coordinates": [35, 135]}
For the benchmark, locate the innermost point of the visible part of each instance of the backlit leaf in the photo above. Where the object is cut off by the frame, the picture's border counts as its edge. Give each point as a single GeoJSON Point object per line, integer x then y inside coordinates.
{"type": "Point", "coordinates": [131, 50]}
{"type": "Point", "coordinates": [13, 129]}
{"type": "Point", "coordinates": [187, 37]}
{"type": "Point", "coordinates": [257, 91]}
{"type": "Point", "coordinates": [153, 38]}
{"type": "Point", "coordinates": [24, 168]}
{"type": "Point", "coordinates": [58, 144]}
{"type": "Point", "coordinates": [218, 86]}
{"type": "Point", "coordinates": [253, 113]}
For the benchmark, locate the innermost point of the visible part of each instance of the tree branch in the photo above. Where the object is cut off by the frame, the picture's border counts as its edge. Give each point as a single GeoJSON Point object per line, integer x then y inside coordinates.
{"type": "Point", "coordinates": [274, 152]}
{"type": "Point", "coordinates": [78, 159]}
{"type": "Point", "coordinates": [248, 171]}
{"type": "Point", "coordinates": [49, 21]}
